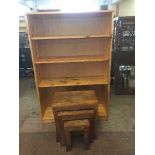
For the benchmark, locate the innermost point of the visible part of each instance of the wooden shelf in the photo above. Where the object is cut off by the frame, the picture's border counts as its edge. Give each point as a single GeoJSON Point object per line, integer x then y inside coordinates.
{"type": "Point", "coordinates": [71, 59]}
{"type": "Point", "coordinates": [48, 116]}
{"type": "Point", "coordinates": [71, 37]}
{"type": "Point", "coordinates": [68, 81]}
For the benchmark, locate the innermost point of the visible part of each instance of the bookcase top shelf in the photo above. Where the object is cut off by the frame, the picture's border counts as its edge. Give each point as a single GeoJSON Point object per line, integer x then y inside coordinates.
{"type": "Point", "coordinates": [71, 59]}
{"type": "Point", "coordinates": [70, 81]}
{"type": "Point", "coordinates": [71, 37]}
{"type": "Point", "coordinates": [59, 12]}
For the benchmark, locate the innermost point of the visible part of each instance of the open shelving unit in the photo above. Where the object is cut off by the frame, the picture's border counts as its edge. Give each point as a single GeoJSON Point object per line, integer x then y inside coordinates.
{"type": "Point", "coordinates": [71, 51]}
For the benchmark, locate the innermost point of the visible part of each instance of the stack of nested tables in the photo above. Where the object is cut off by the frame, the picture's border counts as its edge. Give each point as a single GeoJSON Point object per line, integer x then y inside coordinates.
{"type": "Point", "coordinates": [75, 111]}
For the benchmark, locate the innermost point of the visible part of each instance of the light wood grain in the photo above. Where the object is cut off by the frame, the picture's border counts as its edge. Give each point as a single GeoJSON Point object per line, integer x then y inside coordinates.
{"type": "Point", "coordinates": [35, 68]}
{"type": "Point", "coordinates": [73, 70]}
{"type": "Point", "coordinates": [58, 82]}
{"type": "Point", "coordinates": [72, 47]}
{"type": "Point", "coordinates": [70, 25]}
{"type": "Point", "coordinates": [71, 59]}
{"type": "Point", "coordinates": [71, 37]}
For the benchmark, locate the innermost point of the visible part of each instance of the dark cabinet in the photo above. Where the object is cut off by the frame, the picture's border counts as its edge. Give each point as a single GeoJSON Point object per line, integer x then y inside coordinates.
{"type": "Point", "coordinates": [123, 55]}
{"type": "Point", "coordinates": [25, 61]}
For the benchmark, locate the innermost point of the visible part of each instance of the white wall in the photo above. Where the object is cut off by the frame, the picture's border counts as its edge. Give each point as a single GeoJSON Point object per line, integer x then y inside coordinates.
{"type": "Point", "coordinates": [127, 8]}
{"type": "Point", "coordinates": [69, 5]}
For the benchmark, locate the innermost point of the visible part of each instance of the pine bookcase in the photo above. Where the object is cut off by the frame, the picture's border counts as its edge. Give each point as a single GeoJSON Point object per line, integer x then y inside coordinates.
{"type": "Point", "coordinates": [71, 51]}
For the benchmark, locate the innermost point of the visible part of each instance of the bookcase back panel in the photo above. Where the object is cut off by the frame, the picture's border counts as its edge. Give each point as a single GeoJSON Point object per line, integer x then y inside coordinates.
{"type": "Point", "coordinates": [89, 69]}
{"type": "Point", "coordinates": [70, 24]}
{"type": "Point", "coordinates": [72, 47]}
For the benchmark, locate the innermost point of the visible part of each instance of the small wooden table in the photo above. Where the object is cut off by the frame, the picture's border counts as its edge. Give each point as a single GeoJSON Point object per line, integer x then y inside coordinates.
{"type": "Point", "coordinates": [76, 125]}
{"type": "Point", "coordinates": [77, 115]}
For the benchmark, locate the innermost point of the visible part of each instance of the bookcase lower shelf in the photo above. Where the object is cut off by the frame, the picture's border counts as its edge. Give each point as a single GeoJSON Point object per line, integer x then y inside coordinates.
{"type": "Point", "coordinates": [48, 116]}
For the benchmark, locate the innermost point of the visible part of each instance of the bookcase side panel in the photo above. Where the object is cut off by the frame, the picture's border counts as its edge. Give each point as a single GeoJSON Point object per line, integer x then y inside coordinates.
{"type": "Point", "coordinates": [32, 48]}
